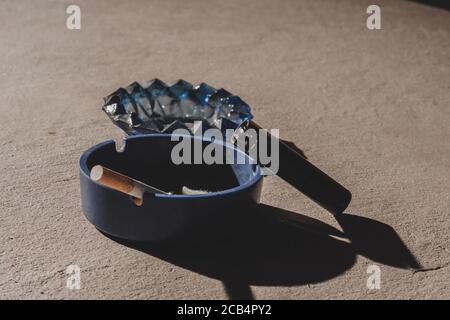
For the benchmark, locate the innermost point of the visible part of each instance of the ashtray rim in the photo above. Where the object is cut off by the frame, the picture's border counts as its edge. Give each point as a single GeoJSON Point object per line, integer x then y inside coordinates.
{"type": "Point", "coordinates": [252, 181]}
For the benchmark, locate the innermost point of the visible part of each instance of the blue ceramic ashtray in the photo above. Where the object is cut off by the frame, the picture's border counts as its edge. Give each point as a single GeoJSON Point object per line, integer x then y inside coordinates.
{"type": "Point", "coordinates": [232, 190]}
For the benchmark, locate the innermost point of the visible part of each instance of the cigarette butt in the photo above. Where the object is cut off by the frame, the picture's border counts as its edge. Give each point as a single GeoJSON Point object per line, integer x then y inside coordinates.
{"type": "Point", "coordinates": [188, 191]}
{"type": "Point", "coordinates": [120, 182]}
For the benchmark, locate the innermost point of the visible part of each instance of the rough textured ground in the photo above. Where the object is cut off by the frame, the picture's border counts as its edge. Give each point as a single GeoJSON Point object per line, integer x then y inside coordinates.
{"type": "Point", "coordinates": [368, 107]}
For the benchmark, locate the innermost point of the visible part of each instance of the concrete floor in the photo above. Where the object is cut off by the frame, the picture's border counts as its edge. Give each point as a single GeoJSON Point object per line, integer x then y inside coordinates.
{"type": "Point", "coordinates": [368, 107]}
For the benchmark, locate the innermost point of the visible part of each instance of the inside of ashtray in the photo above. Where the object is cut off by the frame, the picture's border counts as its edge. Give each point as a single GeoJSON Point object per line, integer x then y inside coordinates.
{"type": "Point", "coordinates": [158, 173]}
{"type": "Point", "coordinates": [190, 179]}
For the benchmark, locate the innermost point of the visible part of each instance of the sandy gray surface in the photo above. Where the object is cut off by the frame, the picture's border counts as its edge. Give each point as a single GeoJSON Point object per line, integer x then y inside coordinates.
{"type": "Point", "coordinates": [368, 107]}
